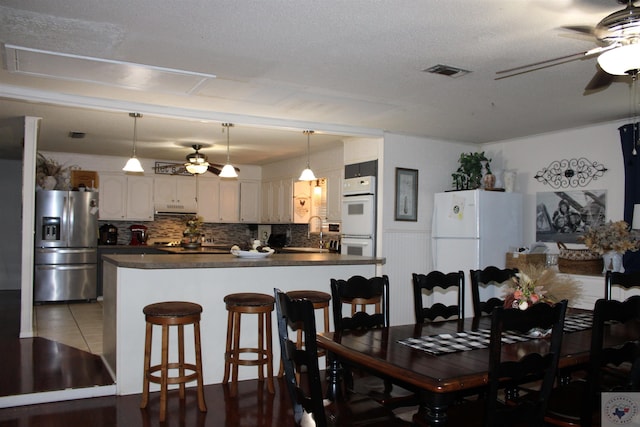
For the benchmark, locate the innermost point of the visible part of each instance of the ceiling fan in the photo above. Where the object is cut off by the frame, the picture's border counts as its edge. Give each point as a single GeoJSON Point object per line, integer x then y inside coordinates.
{"type": "Point", "coordinates": [618, 39]}
{"type": "Point", "coordinates": [197, 163]}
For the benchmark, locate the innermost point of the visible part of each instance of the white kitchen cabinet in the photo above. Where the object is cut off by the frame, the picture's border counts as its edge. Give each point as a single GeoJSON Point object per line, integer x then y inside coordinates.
{"type": "Point", "coordinates": [250, 201]}
{"type": "Point", "coordinates": [174, 190]}
{"type": "Point", "coordinates": [208, 191]}
{"type": "Point", "coordinates": [266, 202]}
{"type": "Point", "coordinates": [334, 195]}
{"type": "Point", "coordinates": [123, 197]}
{"type": "Point", "coordinates": [229, 201]}
{"type": "Point", "coordinates": [276, 196]}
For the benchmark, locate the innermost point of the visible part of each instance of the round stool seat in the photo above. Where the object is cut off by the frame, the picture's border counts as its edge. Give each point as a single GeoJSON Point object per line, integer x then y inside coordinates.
{"type": "Point", "coordinates": [316, 297]}
{"type": "Point", "coordinates": [249, 299]}
{"type": "Point", "coordinates": [172, 309]}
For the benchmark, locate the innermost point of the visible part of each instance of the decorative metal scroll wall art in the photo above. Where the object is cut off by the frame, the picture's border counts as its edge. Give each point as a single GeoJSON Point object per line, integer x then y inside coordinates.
{"type": "Point", "coordinates": [570, 173]}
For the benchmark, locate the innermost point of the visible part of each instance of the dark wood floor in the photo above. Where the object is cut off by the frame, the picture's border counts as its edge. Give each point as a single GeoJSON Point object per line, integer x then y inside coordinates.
{"type": "Point", "coordinates": [36, 364]}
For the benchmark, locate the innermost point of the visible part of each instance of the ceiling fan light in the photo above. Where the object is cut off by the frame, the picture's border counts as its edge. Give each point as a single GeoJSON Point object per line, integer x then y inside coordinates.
{"type": "Point", "coordinates": [133, 165]}
{"type": "Point", "coordinates": [307, 175]}
{"type": "Point", "coordinates": [228, 171]}
{"type": "Point", "coordinates": [621, 60]}
{"type": "Point", "coordinates": [197, 168]}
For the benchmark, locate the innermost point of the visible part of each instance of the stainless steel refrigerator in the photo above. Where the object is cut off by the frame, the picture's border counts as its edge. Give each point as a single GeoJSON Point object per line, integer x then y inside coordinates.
{"type": "Point", "coordinates": [65, 246]}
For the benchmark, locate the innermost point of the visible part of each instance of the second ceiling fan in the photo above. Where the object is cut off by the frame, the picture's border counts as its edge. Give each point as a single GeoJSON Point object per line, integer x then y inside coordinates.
{"type": "Point", "coordinates": [618, 50]}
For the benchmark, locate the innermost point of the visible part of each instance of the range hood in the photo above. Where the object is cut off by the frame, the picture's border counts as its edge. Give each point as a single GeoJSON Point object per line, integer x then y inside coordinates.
{"type": "Point", "coordinates": [175, 208]}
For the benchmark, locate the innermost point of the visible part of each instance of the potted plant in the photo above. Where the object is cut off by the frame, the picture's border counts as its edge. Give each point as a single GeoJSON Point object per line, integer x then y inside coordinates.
{"type": "Point", "coordinates": [192, 236]}
{"type": "Point", "coordinates": [472, 167]}
{"type": "Point", "coordinates": [611, 240]}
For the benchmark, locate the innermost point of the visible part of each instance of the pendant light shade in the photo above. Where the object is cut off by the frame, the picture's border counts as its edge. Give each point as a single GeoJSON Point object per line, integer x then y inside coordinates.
{"type": "Point", "coordinates": [196, 162]}
{"type": "Point", "coordinates": [133, 164]}
{"type": "Point", "coordinates": [307, 174]}
{"type": "Point", "coordinates": [228, 171]}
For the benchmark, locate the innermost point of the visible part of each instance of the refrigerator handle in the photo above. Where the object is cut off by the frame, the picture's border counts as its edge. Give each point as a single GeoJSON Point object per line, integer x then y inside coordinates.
{"type": "Point", "coordinates": [433, 238]}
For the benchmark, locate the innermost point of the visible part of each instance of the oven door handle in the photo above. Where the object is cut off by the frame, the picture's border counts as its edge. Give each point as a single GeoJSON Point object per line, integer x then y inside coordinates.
{"type": "Point", "coordinates": [357, 237]}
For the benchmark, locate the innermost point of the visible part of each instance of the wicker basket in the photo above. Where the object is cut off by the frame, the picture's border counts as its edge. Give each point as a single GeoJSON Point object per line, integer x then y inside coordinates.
{"type": "Point", "coordinates": [579, 261]}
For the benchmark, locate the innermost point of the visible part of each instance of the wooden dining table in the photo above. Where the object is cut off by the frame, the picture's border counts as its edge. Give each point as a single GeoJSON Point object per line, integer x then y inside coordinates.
{"type": "Point", "coordinates": [438, 380]}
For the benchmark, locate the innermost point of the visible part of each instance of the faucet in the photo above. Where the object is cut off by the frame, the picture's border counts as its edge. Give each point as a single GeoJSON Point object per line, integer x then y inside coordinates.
{"type": "Point", "coordinates": [309, 229]}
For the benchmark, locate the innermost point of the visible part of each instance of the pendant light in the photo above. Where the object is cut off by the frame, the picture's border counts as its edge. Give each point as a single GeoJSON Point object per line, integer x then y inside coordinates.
{"type": "Point", "coordinates": [228, 171]}
{"type": "Point", "coordinates": [133, 164]}
{"type": "Point", "coordinates": [307, 174]}
{"type": "Point", "coordinates": [196, 163]}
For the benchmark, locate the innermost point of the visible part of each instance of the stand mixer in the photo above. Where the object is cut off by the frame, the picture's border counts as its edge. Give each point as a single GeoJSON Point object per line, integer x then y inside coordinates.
{"type": "Point", "coordinates": [138, 235]}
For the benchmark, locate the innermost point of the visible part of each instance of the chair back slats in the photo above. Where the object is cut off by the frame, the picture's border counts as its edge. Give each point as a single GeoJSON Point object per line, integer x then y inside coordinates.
{"type": "Point", "coordinates": [623, 280]}
{"type": "Point", "coordinates": [485, 278]}
{"type": "Point", "coordinates": [431, 281]}
{"type": "Point", "coordinates": [359, 292]}
{"type": "Point", "coordinates": [294, 315]}
{"type": "Point", "coordinates": [507, 374]}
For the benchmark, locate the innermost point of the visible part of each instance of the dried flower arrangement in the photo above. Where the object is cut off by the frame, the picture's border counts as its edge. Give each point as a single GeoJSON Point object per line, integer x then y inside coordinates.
{"type": "Point", "coordinates": [611, 236]}
{"type": "Point", "coordinates": [535, 283]}
{"type": "Point", "coordinates": [52, 175]}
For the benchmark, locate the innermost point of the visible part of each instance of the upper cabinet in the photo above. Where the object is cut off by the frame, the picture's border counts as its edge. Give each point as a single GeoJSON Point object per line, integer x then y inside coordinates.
{"type": "Point", "coordinates": [276, 196]}
{"type": "Point", "coordinates": [250, 201]}
{"type": "Point", "coordinates": [333, 184]}
{"type": "Point", "coordinates": [228, 200]}
{"type": "Point", "coordinates": [319, 198]}
{"type": "Point", "coordinates": [175, 190]}
{"type": "Point", "coordinates": [125, 197]}
{"type": "Point", "coordinates": [355, 170]}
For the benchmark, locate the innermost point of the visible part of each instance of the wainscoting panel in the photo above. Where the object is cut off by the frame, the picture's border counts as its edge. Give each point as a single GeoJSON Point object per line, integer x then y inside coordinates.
{"type": "Point", "coordinates": [406, 252]}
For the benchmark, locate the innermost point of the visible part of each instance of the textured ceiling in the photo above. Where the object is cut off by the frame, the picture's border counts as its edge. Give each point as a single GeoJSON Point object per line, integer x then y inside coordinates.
{"type": "Point", "coordinates": [344, 68]}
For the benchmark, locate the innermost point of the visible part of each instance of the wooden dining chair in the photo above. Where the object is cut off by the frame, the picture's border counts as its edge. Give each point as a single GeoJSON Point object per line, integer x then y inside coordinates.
{"type": "Point", "coordinates": [306, 395]}
{"type": "Point", "coordinates": [623, 280]}
{"type": "Point", "coordinates": [610, 368]}
{"type": "Point", "coordinates": [363, 303]}
{"type": "Point", "coordinates": [428, 284]}
{"type": "Point", "coordinates": [488, 279]}
{"type": "Point", "coordinates": [507, 370]}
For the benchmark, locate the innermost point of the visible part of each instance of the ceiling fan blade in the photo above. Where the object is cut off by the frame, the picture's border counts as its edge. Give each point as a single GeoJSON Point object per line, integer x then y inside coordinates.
{"type": "Point", "coordinates": [583, 29]}
{"type": "Point", "coordinates": [600, 80]}
{"type": "Point", "coordinates": [541, 64]}
{"type": "Point", "coordinates": [214, 170]}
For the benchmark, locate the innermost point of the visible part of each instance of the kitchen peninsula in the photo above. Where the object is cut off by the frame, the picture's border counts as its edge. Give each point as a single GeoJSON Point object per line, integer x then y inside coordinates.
{"type": "Point", "coordinates": [133, 281]}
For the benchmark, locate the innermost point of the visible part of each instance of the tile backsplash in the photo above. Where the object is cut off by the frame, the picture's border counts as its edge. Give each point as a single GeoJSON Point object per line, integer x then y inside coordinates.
{"type": "Point", "coordinates": [172, 226]}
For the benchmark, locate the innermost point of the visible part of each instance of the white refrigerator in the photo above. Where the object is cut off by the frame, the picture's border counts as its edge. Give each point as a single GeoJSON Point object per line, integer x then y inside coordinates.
{"type": "Point", "coordinates": [472, 230]}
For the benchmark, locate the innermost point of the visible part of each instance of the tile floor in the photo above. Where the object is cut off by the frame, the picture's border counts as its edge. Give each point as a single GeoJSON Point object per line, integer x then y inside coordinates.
{"type": "Point", "coordinates": [77, 325]}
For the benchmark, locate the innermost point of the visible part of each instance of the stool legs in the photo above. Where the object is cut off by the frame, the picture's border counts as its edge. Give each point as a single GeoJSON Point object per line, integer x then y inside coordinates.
{"type": "Point", "coordinates": [164, 380]}
{"type": "Point", "coordinates": [233, 350]}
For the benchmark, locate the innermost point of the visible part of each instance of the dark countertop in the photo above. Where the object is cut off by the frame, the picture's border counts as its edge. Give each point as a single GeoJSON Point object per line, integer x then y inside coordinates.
{"type": "Point", "coordinates": [200, 250]}
{"type": "Point", "coordinates": [204, 260]}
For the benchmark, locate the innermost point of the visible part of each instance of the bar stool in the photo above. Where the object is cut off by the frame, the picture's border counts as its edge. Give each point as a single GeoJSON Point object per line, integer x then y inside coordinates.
{"type": "Point", "coordinates": [248, 303]}
{"type": "Point", "coordinates": [320, 301]}
{"type": "Point", "coordinates": [165, 314]}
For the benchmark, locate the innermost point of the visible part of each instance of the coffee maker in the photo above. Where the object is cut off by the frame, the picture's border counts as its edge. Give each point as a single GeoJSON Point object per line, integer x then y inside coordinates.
{"type": "Point", "coordinates": [138, 235]}
{"type": "Point", "coordinates": [108, 235]}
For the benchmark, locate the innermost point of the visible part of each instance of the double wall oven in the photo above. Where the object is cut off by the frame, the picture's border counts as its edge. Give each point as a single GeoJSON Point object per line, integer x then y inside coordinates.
{"type": "Point", "coordinates": [359, 216]}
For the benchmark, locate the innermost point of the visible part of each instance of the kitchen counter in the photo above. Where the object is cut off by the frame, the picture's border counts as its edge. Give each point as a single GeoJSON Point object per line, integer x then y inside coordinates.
{"type": "Point", "coordinates": [133, 281]}
{"type": "Point", "coordinates": [200, 250]}
{"type": "Point", "coordinates": [202, 260]}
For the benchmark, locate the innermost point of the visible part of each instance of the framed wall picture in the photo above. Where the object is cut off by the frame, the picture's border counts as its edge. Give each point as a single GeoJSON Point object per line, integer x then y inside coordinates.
{"type": "Point", "coordinates": [406, 207]}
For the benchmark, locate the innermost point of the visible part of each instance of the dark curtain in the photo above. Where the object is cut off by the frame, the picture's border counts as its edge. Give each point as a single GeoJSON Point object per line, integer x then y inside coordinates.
{"type": "Point", "coordinates": [629, 135]}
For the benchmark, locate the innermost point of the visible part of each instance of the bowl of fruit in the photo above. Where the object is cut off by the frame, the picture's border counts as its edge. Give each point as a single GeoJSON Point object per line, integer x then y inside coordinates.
{"type": "Point", "coordinates": [254, 252]}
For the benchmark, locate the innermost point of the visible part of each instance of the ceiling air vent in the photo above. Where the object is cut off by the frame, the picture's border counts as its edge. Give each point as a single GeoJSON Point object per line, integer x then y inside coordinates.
{"type": "Point", "coordinates": [446, 70]}
{"type": "Point", "coordinates": [77, 135]}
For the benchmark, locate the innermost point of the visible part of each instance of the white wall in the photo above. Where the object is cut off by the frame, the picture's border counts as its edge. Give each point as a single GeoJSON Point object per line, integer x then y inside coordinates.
{"type": "Point", "coordinates": [11, 220]}
{"type": "Point", "coordinates": [320, 161]}
{"type": "Point", "coordinates": [406, 244]}
{"type": "Point", "coordinates": [599, 143]}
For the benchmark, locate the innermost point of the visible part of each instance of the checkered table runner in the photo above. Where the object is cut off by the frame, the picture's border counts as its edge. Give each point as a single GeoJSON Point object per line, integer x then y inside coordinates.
{"type": "Point", "coordinates": [469, 340]}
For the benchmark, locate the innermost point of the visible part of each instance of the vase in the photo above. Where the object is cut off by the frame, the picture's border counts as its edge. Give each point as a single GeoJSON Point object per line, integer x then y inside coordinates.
{"type": "Point", "coordinates": [509, 177]}
{"type": "Point", "coordinates": [489, 181]}
{"type": "Point", "coordinates": [49, 182]}
{"type": "Point", "coordinates": [612, 262]}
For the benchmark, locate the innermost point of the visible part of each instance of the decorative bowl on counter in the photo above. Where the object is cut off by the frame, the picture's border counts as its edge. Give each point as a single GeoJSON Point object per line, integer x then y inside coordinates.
{"type": "Point", "coordinates": [251, 254]}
